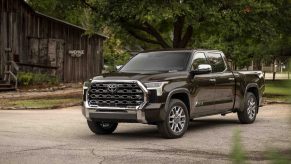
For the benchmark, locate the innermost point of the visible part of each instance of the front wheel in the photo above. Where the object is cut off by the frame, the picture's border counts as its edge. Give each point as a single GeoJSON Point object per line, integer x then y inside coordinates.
{"type": "Point", "coordinates": [177, 120]}
{"type": "Point", "coordinates": [249, 114]}
{"type": "Point", "coordinates": [102, 127]}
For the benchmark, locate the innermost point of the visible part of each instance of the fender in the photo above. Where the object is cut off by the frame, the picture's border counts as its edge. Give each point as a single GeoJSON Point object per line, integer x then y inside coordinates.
{"type": "Point", "coordinates": [175, 91]}
{"type": "Point", "coordinates": [250, 85]}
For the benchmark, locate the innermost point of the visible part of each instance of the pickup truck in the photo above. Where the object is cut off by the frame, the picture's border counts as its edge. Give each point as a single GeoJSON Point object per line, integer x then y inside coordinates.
{"type": "Point", "coordinates": [169, 88]}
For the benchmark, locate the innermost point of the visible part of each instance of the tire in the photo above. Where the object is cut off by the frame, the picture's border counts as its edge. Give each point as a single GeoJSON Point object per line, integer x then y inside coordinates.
{"type": "Point", "coordinates": [176, 122]}
{"type": "Point", "coordinates": [101, 127]}
{"type": "Point", "coordinates": [249, 113]}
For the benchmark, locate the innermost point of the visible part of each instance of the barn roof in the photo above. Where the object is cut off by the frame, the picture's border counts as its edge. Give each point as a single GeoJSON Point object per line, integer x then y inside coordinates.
{"type": "Point", "coordinates": [58, 20]}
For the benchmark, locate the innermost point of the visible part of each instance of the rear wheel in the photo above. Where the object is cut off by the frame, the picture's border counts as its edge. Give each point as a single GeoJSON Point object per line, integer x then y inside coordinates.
{"type": "Point", "coordinates": [102, 127]}
{"type": "Point", "coordinates": [249, 114]}
{"type": "Point", "coordinates": [176, 121]}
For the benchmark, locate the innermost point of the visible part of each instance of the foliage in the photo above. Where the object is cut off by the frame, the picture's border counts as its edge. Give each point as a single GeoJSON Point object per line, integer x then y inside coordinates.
{"type": "Point", "coordinates": [174, 23]}
{"type": "Point", "coordinates": [29, 78]}
{"type": "Point", "coordinates": [237, 155]}
{"type": "Point", "coordinates": [63, 9]}
{"type": "Point", "coordinates": [114, 54]}
{"type": "Point", "coordinates": [245, 30]}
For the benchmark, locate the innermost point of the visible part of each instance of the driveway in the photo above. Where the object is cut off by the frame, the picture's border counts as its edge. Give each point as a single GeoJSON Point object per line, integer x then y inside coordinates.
{"type": "Point", "coordinates": [62, 136]}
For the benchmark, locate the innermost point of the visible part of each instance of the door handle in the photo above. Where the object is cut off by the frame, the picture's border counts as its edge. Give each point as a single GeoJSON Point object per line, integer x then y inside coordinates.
{"type": "Point", "coordinates": [212, 80]}
{"type": "Point", "coordinates": [231, 79]}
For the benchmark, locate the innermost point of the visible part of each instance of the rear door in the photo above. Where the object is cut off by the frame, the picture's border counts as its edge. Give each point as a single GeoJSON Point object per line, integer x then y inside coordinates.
{"type": "Point", "coordinates": [225, 82]}
{"type": "Point", "coordinates": [202, 88]}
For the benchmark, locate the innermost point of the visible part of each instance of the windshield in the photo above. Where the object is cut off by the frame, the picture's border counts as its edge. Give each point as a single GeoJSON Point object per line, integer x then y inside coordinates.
{"type": "Point", "coordinates": [158, 62]}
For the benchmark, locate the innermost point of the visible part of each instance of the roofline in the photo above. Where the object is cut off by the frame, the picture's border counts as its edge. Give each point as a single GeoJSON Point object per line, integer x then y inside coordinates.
{"type": "Point", "coordinates": [58, 20]}
{"type": "Point", "coordinates": [67, 23]}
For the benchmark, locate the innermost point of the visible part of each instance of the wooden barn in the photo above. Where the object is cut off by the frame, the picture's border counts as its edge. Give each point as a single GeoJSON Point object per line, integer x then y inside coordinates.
{"type": "Point", "coordinates": [34, 42]}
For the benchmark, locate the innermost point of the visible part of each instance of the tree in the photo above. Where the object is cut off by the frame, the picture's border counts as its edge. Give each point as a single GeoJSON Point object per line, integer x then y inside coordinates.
{"type": "Point", "coordinates": [178, 23]}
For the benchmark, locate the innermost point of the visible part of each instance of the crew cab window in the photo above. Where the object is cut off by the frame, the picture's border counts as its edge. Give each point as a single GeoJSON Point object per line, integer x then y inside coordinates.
{"type": "Point", "coordinates": [216, 61]}
{"type": "Point", "coordinates": [199, 58]}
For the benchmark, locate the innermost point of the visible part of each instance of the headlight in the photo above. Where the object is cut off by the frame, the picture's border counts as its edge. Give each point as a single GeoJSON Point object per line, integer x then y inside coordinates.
{"type": "Point", "coordinates": [156, 86]}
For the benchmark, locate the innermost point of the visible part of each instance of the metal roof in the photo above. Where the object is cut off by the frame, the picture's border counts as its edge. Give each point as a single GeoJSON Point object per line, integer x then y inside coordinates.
{"type": "Point", "coordinates": [58, 20]}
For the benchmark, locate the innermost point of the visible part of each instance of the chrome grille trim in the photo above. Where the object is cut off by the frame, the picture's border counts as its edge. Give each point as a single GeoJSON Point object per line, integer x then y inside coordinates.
{"type": "Point", "coordinates": [126, 99]}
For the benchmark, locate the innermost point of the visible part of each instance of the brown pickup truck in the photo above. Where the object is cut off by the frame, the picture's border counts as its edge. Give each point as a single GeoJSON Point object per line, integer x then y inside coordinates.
{"type": "Point", "coordinates": [169, 88]}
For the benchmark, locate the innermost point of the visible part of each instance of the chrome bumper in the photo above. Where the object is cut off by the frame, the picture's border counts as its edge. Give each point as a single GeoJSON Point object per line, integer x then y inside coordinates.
{"type": "Point", "coordinates": [132, 114]}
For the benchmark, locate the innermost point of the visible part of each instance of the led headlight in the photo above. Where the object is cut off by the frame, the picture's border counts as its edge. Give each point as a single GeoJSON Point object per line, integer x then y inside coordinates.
{"type": "Point", "coordinates": [156, 86]}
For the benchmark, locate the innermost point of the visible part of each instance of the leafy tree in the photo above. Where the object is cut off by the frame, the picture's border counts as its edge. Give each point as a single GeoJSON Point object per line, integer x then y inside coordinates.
{"type": "Point", "coordinates": [174, 23]}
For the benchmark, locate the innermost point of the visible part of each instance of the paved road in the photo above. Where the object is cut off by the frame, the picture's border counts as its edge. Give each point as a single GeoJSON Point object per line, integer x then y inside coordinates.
{"type": "Point", "coordinates": [62, 136]}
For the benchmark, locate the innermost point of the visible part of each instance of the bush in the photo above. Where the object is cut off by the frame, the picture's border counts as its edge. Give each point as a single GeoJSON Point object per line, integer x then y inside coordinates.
{"type": "Point", "coordinates": [24, 78]}
{"type": "Point", "coordinates": [29, 78]}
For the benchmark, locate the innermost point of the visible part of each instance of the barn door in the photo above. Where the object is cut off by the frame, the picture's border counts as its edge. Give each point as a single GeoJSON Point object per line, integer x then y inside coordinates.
{"type": "Point", "coordinates": [56, 56]}
{"type": "Point", "coordinates": [47, 52]}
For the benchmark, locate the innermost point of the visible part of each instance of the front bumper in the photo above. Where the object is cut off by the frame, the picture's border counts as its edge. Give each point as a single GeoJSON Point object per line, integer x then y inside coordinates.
{"type": "Point", "coordinates": [144, 113]}
{"type": "Point", "coordinates": [148, 114]}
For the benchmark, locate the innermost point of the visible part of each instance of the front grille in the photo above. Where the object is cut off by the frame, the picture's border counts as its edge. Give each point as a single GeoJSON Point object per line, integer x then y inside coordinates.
{"type": "Point", "coordinates": [115, 94]}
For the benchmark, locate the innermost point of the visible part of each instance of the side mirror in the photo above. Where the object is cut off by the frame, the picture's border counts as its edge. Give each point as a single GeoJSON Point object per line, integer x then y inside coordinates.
{"type": "Point", "coordinates": [202, 69]}
{"type": "Point", "coordinates": [118, 67]}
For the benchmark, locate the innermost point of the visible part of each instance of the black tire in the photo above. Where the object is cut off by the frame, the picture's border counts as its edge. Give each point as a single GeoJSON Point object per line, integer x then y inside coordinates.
{"type": "Point", "coordinates": [166, 127]}
{"type": "Point", "coordinates": [249, 113]}
{"type": "Point", "coordinates": [102, 127]}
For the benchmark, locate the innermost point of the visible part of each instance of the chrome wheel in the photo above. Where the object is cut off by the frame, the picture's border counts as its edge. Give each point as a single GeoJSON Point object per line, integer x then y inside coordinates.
{"type": "Point", "coordinates": [177, 119]}
{"type": "Point", "coordinates": [252, 108]}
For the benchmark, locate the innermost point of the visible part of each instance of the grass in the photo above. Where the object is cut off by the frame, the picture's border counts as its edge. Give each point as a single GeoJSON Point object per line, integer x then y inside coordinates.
{"type": "Point", "coordinates": [278, 87]}
{"type": "Point", "coordinates": [278, 90]}
{"type": "Point", "coordinates": [45, 103]}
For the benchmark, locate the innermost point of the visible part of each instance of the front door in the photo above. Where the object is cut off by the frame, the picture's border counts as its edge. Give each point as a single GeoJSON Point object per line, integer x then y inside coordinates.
{"type": "Point", "coordinates": [202, 89]}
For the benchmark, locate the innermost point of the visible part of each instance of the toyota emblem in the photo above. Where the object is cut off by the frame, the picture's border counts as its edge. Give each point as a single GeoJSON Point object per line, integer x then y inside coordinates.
{"type": "Point", "coordinates": [112, 88]}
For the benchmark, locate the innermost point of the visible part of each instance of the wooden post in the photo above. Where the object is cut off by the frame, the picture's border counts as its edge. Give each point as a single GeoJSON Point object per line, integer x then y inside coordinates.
{"type": "Point", "coordinates": [274, 69]}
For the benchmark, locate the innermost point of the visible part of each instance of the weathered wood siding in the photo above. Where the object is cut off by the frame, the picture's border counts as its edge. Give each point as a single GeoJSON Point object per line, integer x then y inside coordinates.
{"type": "Point", "coordinates": [37, 39]}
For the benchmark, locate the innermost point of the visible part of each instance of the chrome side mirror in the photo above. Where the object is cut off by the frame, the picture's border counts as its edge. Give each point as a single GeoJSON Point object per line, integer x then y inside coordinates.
{"type": "Point", "coordinates": [202, 69]}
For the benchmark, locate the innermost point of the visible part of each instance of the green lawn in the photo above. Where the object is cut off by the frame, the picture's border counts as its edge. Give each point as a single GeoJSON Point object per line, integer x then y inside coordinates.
{"type": "Point", "coordinates": [278, 88]}
{"type": "Point", "coordinates": [44, 103]}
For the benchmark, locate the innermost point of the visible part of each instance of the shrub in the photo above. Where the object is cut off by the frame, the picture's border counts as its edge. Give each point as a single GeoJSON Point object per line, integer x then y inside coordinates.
{"type": "Point", "coordinates": [25, 78]}
{"type": "Point", "coordinates": [29, 78]}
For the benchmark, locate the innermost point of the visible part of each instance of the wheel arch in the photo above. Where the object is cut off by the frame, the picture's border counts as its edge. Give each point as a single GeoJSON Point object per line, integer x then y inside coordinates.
{"type": "Point", "coordinates": [253, 88]}
{"type": "Point", "coordinates": [181, 94]}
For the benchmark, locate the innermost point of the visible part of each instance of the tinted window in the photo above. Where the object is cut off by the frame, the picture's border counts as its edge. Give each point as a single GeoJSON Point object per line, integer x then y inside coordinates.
{"type": "Point", "coordinates": [199, 58]}
{"type": "Point", "coordinates": [158, 61]}
{"type": "Point", "coordinates": [216, 61]}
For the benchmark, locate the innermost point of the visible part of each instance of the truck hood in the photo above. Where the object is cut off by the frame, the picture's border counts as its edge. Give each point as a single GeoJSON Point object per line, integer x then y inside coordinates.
{"type": "Point", "coordinates": [143, 77]}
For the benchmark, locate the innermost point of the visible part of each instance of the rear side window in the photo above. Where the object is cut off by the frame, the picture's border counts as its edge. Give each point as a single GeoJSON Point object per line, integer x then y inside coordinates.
{"type": "Point", "coordinates": [216, 61]}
